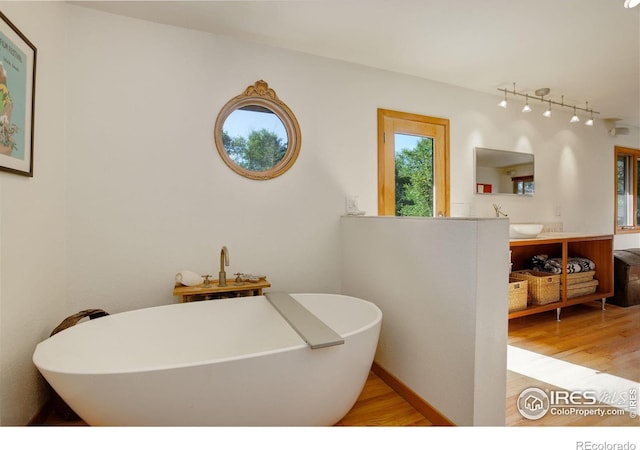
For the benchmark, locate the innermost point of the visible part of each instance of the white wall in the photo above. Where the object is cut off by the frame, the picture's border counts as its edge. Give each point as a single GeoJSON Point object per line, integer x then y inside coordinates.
{"type": "Point", "coordinates": [147, 195]}
{"type": "Point", "coordinates": [32, 229]}
{"type": "Point", "coordinates": [574, 168]}
{"type": "Point", "coordinates": [148, 192]}
{"type": "Point", "coordinates": [442, 286]}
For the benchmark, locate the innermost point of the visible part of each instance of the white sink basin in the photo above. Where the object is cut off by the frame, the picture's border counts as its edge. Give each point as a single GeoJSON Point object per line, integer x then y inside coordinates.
{"type": "Point", "coordinates": [524, 230]}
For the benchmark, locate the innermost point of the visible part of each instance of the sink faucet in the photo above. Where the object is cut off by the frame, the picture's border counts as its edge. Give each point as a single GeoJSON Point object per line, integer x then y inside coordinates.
{"type": "Point", "coordinates": [224, 261]}
{"type": "Point", "coordinates": [498, 209]}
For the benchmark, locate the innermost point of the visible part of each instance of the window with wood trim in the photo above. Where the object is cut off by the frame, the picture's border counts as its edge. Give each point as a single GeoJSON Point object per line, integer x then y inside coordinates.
{"type": "Point", "coordinates": [627, 167]}
{"type": "Point", "coordinates": [523, 185]}
{"type": "Point", "coordinates": [413, 164]}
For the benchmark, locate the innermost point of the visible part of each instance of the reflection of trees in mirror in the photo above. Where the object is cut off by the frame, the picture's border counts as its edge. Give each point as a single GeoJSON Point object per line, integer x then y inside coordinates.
{"type": "Point", "coordinates": [414, 180]}
{"type": "Point", "coordinates": [256, 134]}
{"type": "Point", "coordinates": [261, 151]}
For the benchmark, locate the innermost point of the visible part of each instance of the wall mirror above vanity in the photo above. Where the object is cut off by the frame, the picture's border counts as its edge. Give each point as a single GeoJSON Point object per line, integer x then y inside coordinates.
{"type": "Point", "coordinates": [256, 133]}
{"type": "Point", "coordinates": [503, 172]}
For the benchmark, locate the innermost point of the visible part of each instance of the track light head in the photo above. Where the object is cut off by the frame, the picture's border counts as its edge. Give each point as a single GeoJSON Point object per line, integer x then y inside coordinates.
{"type": "Point", "coordinates": [574, 118]}
{"type": "Point", "coordinates": [503, 102]}
{"type": "Point", "coordinates": [589, 121]}
{"type": "Point", "coordinates": [526, 108]}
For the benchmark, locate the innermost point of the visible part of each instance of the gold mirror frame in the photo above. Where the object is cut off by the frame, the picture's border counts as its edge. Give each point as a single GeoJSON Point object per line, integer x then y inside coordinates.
{"type": "Point", "coordinates": [261, 95]}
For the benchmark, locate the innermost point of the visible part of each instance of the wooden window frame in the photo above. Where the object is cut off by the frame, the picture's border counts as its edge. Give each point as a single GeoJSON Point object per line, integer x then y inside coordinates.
{"type": "Point", "coordinates": [386, 163]}
{"type": "Point", "coordinates": [634, 154]}
{"type": "Point", "coordinates": [523, 179]}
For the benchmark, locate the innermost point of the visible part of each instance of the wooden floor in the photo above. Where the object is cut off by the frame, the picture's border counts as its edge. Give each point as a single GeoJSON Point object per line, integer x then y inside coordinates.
{"type": "Point", "coordinates": [607, 341]}
{"type": "Point", "coordinates": [378, 405]}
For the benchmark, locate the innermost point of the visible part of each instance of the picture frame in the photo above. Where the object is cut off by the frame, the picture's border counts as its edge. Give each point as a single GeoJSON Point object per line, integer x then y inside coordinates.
{"type": "Point", "coordinates": [17, 99]}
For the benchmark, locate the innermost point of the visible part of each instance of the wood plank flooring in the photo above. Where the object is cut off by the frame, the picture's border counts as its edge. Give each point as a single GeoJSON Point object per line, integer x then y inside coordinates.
{"type": "Point", "coordinates": [377, 405]}
{"type": "Point", "coordinates": [607, 341]}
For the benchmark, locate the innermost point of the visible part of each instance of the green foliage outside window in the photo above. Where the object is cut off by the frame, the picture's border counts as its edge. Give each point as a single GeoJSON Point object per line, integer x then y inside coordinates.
{"type": "Point", "coordinates": [414, 180]}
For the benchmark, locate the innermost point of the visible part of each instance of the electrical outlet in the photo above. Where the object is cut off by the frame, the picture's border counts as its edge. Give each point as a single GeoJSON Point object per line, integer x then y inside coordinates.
{"type": "Point", "coordinates": [351, 203]}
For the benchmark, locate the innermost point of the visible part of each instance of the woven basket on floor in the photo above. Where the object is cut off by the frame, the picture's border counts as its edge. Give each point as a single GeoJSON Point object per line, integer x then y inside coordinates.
{"type": "Point", "coordinates": [61, 408]}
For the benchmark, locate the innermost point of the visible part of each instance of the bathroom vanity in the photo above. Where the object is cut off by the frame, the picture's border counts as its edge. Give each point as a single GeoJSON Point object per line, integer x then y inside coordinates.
{"type": "Point", "coordinates": [214, 291]}
{"type": "Point", "coordinates": [598, 248]}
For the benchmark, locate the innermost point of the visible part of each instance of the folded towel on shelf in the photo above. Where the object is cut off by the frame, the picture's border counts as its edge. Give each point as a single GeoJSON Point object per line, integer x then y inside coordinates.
{"type": "Point", "coordinates": [543, 263]}
{"type": "Point", "coordinates": [188, 278]}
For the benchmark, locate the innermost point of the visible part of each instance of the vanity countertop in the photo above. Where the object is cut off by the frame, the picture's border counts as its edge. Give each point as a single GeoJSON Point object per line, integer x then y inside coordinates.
{"type": "Point", "coordinates": [560, 235]}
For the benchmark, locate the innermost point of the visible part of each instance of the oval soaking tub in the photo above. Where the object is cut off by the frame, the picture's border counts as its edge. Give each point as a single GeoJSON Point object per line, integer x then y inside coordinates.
{"type": "Point", "coordinates": [232, 362]}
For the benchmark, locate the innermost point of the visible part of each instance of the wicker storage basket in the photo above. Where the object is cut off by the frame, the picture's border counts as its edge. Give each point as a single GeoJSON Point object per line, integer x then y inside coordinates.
{"type": "Point", "coordinates": [61, 408]}
{"type": "Point", "coordinates": [543, 287]}
{"type": "Point", "coordinates": [580, 277]}
{"type": "Point", "coordinates": [517, 294]}
{"type": "Point", "coordinates": [578, 289]}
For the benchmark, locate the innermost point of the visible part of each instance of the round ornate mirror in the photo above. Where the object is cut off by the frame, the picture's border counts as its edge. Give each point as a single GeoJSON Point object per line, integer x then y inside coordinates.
{"type": "Point", "coordinates": [256, 133]}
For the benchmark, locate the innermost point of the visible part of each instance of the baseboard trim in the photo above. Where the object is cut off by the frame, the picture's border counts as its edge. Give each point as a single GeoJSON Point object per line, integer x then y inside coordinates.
{"type": "Point", "coordinates": [432, 414]}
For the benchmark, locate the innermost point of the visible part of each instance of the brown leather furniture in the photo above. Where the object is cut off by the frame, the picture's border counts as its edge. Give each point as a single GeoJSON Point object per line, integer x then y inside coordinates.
{"type": "Point", "coordinates": [626, 268]}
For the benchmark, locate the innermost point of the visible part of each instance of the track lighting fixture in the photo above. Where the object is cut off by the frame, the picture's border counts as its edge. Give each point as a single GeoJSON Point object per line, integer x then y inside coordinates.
{"type": "Point", "coordinates": [526, 108]}
{"type": "Point", "coordinates": [589, 121]}
{"type": "Point", "coordinates": [503, 103]}
{"type": "Point", "coordinates": [547, 113]}
{"type": "Point", "coordinates": [540, 96]}
{"type": "Point", "coordinates": [575, 117]}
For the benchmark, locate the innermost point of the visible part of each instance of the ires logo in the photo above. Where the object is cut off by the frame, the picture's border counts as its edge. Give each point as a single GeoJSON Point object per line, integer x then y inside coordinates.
{"type": "Point", "coordinates": [534, 403]}
{"type": "Point", "coordinates": [577, 398]}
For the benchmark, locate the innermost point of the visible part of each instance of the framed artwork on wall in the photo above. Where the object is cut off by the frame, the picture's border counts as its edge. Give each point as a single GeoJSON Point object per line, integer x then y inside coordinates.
{"type": "Point", "coordinates": [17, 99]}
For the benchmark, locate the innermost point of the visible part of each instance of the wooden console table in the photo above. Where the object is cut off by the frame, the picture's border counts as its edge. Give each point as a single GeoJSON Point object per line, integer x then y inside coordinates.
{"type": "Point", "coordinates": [598, 248]}
{"type": "Point", "coordinates": [212, 292]}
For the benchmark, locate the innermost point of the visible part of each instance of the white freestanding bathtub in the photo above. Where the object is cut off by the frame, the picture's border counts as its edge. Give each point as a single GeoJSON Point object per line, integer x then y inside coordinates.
{"type": "Point", "coordinates": [233, 362]}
